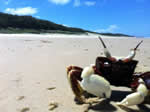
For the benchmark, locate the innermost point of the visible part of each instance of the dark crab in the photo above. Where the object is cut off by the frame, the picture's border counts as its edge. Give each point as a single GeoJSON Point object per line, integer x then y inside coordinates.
{"type": "Point", "coordinates": [96, 79]}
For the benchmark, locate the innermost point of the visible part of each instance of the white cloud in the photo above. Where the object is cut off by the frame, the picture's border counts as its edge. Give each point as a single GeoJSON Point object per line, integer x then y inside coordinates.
{"type": "Point", "coordinates": [140, 1]}
{"type": "Point", "coordinates": [22, 11]}
{"type": "Point", "coordinates": [61, 2]}
{"type": "Point", "coordinates": [77, 3]}
{"type": "Point", "coordinates": [38, 17]}
{"type": "Point", "coordinates": [65, 25]}
{"type": "Point", "coordinates": [7, 2]}
{"type": "Point", "coordinates": [90, 3]}
{"type": "Point", "coordinates": [110, 29]}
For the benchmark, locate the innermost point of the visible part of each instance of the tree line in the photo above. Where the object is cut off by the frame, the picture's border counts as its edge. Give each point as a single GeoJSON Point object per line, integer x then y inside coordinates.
{"type": "Point", "coordinates": [29, 22]}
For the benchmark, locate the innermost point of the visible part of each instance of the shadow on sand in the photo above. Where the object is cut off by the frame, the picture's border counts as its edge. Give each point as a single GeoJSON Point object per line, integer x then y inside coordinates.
{"type": "Point", "coordinates": [106, 106]}
{"type": "Point", "coordinates": [119, 95]}
{"type": "Point", "coordinates": [103, 106]}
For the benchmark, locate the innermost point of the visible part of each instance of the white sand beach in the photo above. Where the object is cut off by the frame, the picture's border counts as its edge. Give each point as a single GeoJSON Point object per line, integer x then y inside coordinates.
{"type": "Point", "coordinates": [33, 70]}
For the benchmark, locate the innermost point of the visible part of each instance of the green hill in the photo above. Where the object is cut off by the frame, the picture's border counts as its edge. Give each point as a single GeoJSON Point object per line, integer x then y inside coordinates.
{"type": "Point", "coordinates": [28, 24]}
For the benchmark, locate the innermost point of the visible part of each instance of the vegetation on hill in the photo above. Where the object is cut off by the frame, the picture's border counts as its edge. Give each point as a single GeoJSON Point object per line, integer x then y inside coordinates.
{"type": "Point", "coordinates": [116, 34]}
{"type": "Point", "coordinates": [20, 24]}
{"type": "Point", "coordinates": [28, 24]}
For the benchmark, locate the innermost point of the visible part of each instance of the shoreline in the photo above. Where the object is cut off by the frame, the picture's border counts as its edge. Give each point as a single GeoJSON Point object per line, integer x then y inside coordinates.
{"type": "Point", "coordinates": [54, 35]}
{"type": "Point", "coordinates": [62, 36]}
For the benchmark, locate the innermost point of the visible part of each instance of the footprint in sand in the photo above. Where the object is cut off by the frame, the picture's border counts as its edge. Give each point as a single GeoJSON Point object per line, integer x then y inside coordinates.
{"type": "Point", "coordinates": [85, 49]}
{"type": "Point", "coordinates": [148, 58]}
{"type": "Point", "coordinates": [26, 109]}
{"type": "Point", "coordinates": [51, 88]}
{"type": "Point", "coordinates": [28, 40]}
{"type": "Point", "coordinates": [20, 98]}
{"type": "Point", "coordinates": [46, 41]}
{"type": "Point", "coordinates": [53, 105]}
{"type": "Point", "coordinates": [40, 46]}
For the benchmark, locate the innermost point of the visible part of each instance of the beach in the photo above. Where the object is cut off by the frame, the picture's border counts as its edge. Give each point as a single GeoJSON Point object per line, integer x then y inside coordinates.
{"type": "Point", "coordinates": [33, 71]}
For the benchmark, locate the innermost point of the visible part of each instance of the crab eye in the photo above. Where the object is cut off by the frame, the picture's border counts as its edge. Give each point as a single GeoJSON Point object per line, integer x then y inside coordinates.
{"type": "Point", "coordinates": [106, 64]}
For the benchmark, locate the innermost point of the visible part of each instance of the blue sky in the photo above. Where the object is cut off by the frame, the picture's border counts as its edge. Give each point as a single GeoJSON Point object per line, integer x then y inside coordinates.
{"type": "Point", "coordinates": [116, 16]}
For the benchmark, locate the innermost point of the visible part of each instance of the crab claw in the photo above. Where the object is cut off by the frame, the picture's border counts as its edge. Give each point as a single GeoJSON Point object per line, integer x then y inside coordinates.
{"type": "Point", "coordinates": [81, 80]}
{"type": "Point", "coordinates": [137, 97]}
{"type": "Point", "coordinates": [132, 53]}
{"type": "Point", "coordinates": [95, 84]}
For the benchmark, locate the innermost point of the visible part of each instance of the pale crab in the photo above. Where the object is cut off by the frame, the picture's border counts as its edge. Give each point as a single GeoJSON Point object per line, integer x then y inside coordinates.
{"type": "Point", "coordinates": [97, 79]}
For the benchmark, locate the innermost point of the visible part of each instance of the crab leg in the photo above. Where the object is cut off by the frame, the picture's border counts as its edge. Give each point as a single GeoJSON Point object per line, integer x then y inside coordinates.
{"type": "Point", "coordinates": [132, 53]}
{"type": "Point", "coordinates": [74, 75]}
{"type": "Point", "coordinates": [106, 52]}
{"type": "Point", "coordinates": [138, 45]}
{"type": "Point", "coordinates": [137, 97]}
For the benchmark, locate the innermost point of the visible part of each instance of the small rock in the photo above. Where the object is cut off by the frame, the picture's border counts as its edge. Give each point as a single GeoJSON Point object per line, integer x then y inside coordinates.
{"type": "Point", "coordinates": [53, 105]}
{"type": "Point", "coordinates": [51, 88]}
{"type": "Point", "coordinates": [25, 109]}
{"type": "Point", "coordinates": [85, 49]}
{"type": "Point", "coordinates": [21, 98]}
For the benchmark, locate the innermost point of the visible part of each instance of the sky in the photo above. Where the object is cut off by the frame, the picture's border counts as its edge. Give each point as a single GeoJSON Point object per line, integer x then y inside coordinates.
{"type": "Point", "coordinates": [130, 17]}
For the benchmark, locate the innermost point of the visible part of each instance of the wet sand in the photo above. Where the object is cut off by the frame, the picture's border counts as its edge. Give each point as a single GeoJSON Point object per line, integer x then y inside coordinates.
{"type": "Point", "coordinates": [33, 71]}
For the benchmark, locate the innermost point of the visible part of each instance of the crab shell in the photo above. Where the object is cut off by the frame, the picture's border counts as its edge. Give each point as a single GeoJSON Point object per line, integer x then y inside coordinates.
{"type": "Point", "coordinates": [118, 73]}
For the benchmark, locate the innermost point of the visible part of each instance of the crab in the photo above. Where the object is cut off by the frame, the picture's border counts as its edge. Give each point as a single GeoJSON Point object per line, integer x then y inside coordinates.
{"type": "Point", "coordinates": [97, 79]}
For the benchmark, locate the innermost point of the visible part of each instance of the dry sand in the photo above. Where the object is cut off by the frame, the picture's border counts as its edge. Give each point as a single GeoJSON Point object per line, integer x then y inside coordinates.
{"type": "Point", "coordinates": [33, 71]}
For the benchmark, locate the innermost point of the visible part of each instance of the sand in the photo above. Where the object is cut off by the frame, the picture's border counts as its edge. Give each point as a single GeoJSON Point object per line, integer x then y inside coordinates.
{"type": "Point", "coordinates": [33, 71]}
